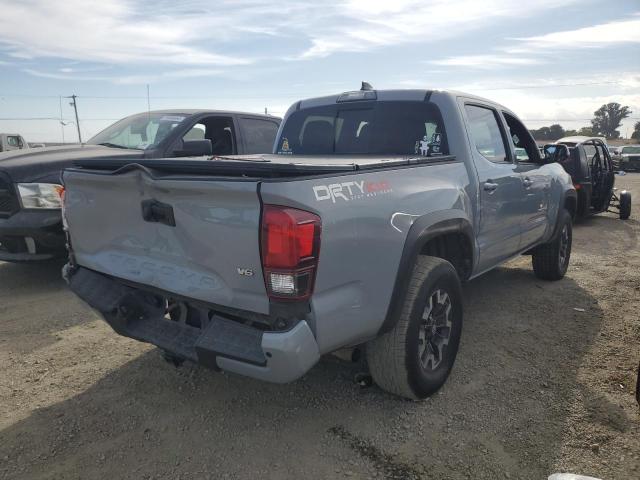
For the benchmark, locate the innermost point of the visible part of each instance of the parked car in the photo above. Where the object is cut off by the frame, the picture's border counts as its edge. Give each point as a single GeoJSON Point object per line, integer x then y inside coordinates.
{"type": "Point", "coordinates": [358, 230]}
{"type": "Point", "coordinates": [626, 158]}
{"type": "Point", "coordinates": [12, 141]}
{"type": "Point", "coordinates": [30, 221]}
{"type": "Point", "coordinates": [589, 163]}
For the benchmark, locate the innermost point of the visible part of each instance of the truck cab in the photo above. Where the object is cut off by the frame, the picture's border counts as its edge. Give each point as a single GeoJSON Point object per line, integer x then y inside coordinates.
{"type": "Point", "coordinates": [12, 141]}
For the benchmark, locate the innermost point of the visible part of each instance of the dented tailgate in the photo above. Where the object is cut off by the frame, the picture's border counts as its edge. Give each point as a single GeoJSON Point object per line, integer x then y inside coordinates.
{"type": "Point", "coordinates": [195, 237]}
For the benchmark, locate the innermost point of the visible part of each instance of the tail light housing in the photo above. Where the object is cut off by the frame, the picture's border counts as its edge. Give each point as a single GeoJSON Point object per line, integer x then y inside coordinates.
{"type": "Point", "coordinates": [290, 246]}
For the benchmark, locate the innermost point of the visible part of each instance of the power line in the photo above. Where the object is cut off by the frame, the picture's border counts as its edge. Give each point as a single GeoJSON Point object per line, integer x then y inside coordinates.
{"type": "Point", "coordinates": [567, 119]}
{"type": "Point", "coordinates": [29, 118]}
{"type": "Point", "coordinates": [556, 85]}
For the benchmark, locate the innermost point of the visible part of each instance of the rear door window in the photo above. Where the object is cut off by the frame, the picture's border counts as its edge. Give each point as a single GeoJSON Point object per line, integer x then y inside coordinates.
{"type": "Point", "coordinates": [525, 147]}
{"type": "Point", "coordinates": [259, 135]}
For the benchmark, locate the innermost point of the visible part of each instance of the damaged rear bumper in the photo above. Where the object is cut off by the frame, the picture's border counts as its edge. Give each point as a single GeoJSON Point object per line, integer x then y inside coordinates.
{"type": "Point", "coordinates": [225, 344]}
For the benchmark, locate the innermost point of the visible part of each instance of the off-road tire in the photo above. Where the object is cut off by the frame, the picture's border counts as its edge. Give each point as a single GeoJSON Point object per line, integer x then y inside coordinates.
{"type": "Point", "coordinates": [548, 260]}
{"type": "Point", "coordinates": [625, 205]}
{"type": "Point", "coordinates": [394, 357]}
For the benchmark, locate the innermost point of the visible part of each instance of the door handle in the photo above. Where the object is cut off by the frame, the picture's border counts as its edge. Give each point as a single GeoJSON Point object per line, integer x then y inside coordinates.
{"type": "Point", "coordinates": [158, 212]}
{"type": "Point", "coordinates": [489, 186]}
{"type": "Point", "coordinates": [527, 182]}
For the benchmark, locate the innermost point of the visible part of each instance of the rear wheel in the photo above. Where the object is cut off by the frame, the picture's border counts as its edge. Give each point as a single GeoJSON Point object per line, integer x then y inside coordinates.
{"type": "Point", "coordinates": [551, 260]}
{"type": "Point", "coordinates": [415, 358]}
{"type": "Point", "coordinates": [625, 204]}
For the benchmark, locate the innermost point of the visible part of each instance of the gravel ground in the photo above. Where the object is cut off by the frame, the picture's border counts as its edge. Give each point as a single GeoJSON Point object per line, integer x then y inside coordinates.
{"type": "Point", "coordinates": [543, 383]}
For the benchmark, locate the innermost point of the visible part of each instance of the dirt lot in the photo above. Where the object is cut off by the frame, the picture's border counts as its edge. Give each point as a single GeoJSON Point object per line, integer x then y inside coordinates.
{"type": "Point", "coordinates": [543, 383]}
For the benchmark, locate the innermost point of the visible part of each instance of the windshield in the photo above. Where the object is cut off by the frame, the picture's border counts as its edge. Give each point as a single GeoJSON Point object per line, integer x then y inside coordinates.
{"type": "Point", "coordinates": [630, 150]}
{"type": "Point", "coordinates": [139, 132]}
{"type": "Point", "coordinates": [376, 128]}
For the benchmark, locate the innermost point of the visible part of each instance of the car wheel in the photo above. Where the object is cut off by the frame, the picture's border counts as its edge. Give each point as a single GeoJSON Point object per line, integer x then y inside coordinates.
{"type": "Point", "coordinates": [551, 260]}
{"type": "Point", "coordinates": [414, 359]}
{"type": "Point", "coordinates": [625, 204]}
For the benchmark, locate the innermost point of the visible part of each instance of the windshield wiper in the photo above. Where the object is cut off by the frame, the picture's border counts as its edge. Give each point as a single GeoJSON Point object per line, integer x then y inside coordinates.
{"type": "Point", "coordinates": [115, 145]}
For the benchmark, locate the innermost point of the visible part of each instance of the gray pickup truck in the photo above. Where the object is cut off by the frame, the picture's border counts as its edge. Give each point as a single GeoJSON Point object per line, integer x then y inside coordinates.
{"type": "Point", "coordinates": [357, 230]}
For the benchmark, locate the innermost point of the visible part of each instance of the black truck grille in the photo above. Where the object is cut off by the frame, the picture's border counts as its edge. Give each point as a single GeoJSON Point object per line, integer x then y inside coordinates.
{"type": "Point", "coordinates": [8, 199]}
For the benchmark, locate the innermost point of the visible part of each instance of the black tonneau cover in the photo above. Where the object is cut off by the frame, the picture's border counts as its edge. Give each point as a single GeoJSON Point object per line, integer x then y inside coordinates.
{"type": "Point", "coordinates": [262, 165]}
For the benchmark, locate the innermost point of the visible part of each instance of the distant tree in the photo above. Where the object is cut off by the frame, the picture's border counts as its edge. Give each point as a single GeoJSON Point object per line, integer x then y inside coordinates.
{"type": "Point", "coordinates": [586, 131]}
{"type": "Point", "coordinates": [570, 133]}
{"type": "Point", "coordinates": [556, 132]}
{"type": "Point", "coordinates": [636, 131]}
{"type": "Point", "coordinates": [608, 118]}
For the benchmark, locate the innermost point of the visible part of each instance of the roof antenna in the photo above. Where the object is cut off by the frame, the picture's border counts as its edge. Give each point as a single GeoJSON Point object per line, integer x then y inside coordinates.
{"type": "Point", "coordinates": [366, 86]}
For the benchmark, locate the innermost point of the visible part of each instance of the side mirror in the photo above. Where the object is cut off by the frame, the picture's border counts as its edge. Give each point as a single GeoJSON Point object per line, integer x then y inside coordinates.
{"type": "Point", "coordinates": [195, 148]}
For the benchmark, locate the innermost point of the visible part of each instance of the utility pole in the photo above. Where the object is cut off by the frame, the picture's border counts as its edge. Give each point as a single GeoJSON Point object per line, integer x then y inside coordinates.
{"type": "Point", "coordinates": [61, 119]}
{"type": "Point", "coordinates": [148, 101]}
{"type": "Point", "coordinates": [75, 109]}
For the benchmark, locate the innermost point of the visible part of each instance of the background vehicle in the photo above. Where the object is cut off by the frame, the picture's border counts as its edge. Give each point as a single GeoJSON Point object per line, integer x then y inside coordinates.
{"type": "Point", "coordinates": [588, 161]}
{"type": "Point", "coordinates": [12, 141]}
{"type": "Point", "coordinates": [627, 158]}
{"type": "Point", "coordinates": [30, 221]}
{"type": "Point", "coordinates": [359, 229]}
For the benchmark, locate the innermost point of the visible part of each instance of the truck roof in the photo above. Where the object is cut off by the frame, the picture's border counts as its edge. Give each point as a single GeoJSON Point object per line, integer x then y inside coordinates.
{"type": "Point", "coordinates": [581, 139]}
{"type": "Point", "coordinates": [399, 95]}
{"type": "Point", "coordinates": [195, 111]}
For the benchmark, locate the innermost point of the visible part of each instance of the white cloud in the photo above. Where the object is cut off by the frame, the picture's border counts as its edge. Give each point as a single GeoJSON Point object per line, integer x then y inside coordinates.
{"type": "Point", "coordinates": [605, 34]}
{"type": "Point", "coordinates": [204, 33]}
{"type": "Point", "coordinates": [536, 50]}
{"type": "Point", "coordinates": [141, 79]}
{"type": "Point", "coordinates": [486, 61]}
{"type": "Point", "coordinates": [368, 24]}
{"type": "Point", "coordinates": [110, 31]}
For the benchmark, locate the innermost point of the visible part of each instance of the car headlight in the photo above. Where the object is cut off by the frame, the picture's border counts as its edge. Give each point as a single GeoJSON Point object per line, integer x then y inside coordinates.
{"type": "Point", "coordinates": [40, 195]}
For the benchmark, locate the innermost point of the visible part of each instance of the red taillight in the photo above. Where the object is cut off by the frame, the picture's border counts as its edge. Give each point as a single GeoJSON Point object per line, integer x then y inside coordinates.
{"type": "Point", "coordinates": [290, 248]}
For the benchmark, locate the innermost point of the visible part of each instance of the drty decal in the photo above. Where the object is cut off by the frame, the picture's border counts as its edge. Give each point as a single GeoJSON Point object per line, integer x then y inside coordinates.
{"type": "Point", "coordinates": [348, 191]}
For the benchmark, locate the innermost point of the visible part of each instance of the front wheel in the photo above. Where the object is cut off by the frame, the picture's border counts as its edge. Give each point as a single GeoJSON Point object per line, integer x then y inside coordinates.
{"type": "Point", "coordinates": [551, 260]}
{"type": "Point", "coordinates": [415, 358]}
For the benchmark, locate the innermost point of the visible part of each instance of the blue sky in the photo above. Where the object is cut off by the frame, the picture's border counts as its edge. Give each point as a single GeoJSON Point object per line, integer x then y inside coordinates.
{"type": "Point", "coordinates": [549, 60]}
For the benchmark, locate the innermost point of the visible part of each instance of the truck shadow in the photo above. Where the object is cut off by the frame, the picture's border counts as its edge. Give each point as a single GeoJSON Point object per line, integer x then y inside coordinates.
{"type": "Point", "coordinates": [35, 304]}
{"type": "Point", "coordinates": [504, 409]}
{"type": "Point", "coordinates": [608, 232]}
{"type": "Point", "coordinates": [36, 277]}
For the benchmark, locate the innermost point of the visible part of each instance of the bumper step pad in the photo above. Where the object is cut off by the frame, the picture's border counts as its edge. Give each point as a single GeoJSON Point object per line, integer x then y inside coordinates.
{"type": "Point", "coordinates": [231, 339]}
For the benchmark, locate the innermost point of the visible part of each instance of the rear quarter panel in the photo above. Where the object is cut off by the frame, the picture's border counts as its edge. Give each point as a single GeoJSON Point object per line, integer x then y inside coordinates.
{"type": "Point", "coordinates": [363, 236]}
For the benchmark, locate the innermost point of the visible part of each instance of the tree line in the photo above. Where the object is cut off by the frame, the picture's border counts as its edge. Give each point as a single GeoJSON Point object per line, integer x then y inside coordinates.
{"type": "Point", "coordinates": [605, 123]}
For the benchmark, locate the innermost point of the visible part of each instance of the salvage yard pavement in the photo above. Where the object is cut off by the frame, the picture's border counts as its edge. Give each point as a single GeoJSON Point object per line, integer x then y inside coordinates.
{"type": "Point", "coordinates": [544, 382]}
